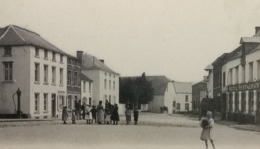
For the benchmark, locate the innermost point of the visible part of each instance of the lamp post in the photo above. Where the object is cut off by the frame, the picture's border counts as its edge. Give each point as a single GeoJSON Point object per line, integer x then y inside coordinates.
{"type": "Point", "coordinates": [18, 92]}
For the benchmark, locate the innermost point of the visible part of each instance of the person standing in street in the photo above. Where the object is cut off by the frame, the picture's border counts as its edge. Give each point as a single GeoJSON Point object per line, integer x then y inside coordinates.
{"type": "Point", "coordinates": [73, 117]}
{"type": "Point", "coordinates": [136, 115]}
{"type": "Point", "coordinates": [64, 115]}
{"type": "Point", "coordinates": [128, 114]}
{"type": "Point", "coordinates": [115, 115]}
{"type": "Point", "coordinates": [94, 112]}
{"type": "Point", "coordinates": [100, 113]}
{"type": "Point", "coordinates": [83, 109]}
{"type": "Point", "coordinates": [207, 130]}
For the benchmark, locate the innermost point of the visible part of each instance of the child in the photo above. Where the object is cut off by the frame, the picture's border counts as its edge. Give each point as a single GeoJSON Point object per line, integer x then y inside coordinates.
{"type": "Point", "coordinates": [207, 131]}
{"type": "Point", "coordinates": [94, 111]}
{"type": "Point", "coordinates": [89, 115]}
{"type": "Point", "coordinates": [73, 117]}
{"type": "Point", "coordinates": [136, 115]}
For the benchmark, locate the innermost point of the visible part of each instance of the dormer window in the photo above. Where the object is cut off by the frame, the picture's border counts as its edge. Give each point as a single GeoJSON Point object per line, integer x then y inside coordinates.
{"type": "Point", "coordinates": [37, 52]}
{"type": "Point", "coordinates": [53, 56]}
{"type": "Point", "coordinates": [8, 51]}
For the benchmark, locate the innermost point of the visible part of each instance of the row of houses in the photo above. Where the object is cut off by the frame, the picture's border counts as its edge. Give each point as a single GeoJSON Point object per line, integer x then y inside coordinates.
{"type": "Point", "coordinates": [174, 96]}
{"type": "Point", "coordinates": [48, 77]}
{"type": "Point", "coordinates": [235, 78]}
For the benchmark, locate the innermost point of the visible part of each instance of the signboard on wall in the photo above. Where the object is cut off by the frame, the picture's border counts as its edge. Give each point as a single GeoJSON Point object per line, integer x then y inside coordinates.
{"type": "Point", "coordinates": [245, 86]}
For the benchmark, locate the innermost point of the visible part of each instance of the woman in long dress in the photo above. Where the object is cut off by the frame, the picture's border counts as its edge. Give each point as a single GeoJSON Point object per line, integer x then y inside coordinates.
{"type": "Point", "coordinates": [207, 131]}
{"type": "Point", "coordinates": [115, 115]}
{"type": "Point", "coordinates": [100, 113]}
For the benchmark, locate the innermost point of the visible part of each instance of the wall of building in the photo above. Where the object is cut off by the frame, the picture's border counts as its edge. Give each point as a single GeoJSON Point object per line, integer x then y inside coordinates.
{"type": "Point", "coordinates": [210, 84]}
{"type": "Point", "coordinates": [86, 95]}
{"type": "Point", "coordinates": [168, 97]}
{"type": "Point", "coordinates": [21, 78]}
{"type": "Point", "coordinates": [47, 88]}
{"type": "Point", "coordinates": [156, 103]}
{"type": "Point", "coordinates": [180, 98]}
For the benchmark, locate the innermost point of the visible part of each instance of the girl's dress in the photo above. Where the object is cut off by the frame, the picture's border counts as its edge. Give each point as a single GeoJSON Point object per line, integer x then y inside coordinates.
{"type": "Point", "coordinates": [207, 132]}
{"type": "Point", "coordinates": [89, 113]}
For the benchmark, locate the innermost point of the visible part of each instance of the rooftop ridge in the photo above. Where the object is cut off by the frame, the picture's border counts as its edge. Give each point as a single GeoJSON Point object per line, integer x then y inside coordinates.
{"type": "Point", "coordinates": [24, 29]}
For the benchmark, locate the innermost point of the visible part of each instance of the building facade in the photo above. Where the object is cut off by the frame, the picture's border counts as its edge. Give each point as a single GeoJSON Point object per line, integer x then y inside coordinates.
{"type": "Point", "coordinates": [199, 91]}
{"type": "Point", "coordinates": [105, 80]}
{"type": "Point", "coordinates": [37, 68]}
{"type": "Point", "coordinates": [73, 82]}
{"type": "Point", "coordinates": [86, 89]}
{"type": "Point", "coordinates": [182, 100]}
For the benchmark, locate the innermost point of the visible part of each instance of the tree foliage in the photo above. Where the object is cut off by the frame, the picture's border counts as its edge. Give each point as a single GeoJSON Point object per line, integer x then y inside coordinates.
{"type": "Point", "coordinates": [135, 91]}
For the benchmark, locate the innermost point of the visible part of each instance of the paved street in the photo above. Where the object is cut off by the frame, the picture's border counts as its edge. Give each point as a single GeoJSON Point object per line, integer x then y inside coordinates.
{"type": "Point", "coordinates": [153, 131]}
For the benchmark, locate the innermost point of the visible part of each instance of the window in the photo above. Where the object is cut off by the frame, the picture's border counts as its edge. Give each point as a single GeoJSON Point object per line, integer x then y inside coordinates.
{"type": "Point", "coordinates": [69, 102]}
{"type": "Point", "coordinates": [75, 78]}
{"type": "Point", "coordinates": [8, 71]}
{"type": "Point", "coordinates": [236, 75]}
{"type": "Point", "coordinates": [84, 86]}
{"type": "Point", "coordinates": [45, 54]}
{"type": "Point", "coordinates": [53, 56]}
{"type": "Point", "coordinates": [53, 75]}
{"type": "Point", "coordinates": [236, 102]}
{"type": "Point", "coordinates": [89, 87]}
{"type": "Point", "coordinates": [45, 73]}
{"type": "Point", "coordinates": [230, 77]}
{"type": "Point", "coordinates": [36, 102]}
{"type": "Point", "coordinates": [230, 102]}
{"type": "Point", "coordinates": [186, 98]}
{"type": "Point", "coordinates": [250, 72]}
{"type": "Point", "coordinates": [243, 74]}
{"type": "Point", "coordinates": [37, 72]}
{"type": "Point", "coordinates": [224, 79]}
{"type": "Point", "coordinates": [243, 101]}
{"type": "Point", "coordinates": [258, 70]}
{"type": "Point", "coordinates": [105, 84]}
{"type": "Point", "coordinates": [187, 108]}
{"type": "Point", "coordinates": [251, 102]}
{"type": "Point", "coordinates": [61, 58]}
{"type": "Point", "coordinates": [8, 51]}
{"type": "Point", "coordinates": [178, 106]}
{"type": "Point", "coordinates": [109, 98]}
{"type": "Point", "coordinates": [61, 76]}
{"type": "Point", "coordinates": [37, 52]}
{"type": "Point", "coordinates": [114, 85]}
{"type": "Point", "coordinates": [109, 84]}
{"type": "Point", "coordinates": [45, 102]}
{"type": "Point", "coordinates": [69, 78]}
{"type": "Point", "coordinates": [173, 103]}
{"type": "Point", "coordinates": [61, 102]}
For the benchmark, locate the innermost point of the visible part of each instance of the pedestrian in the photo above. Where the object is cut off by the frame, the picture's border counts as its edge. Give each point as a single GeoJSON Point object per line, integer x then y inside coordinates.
{"type": "Point", "coordinates": [73, 117]}
{"type": "Point", "coordinates": [100, 113]}
{"type": "Point", "coordinates": [136, 115]}
{"type": "Point", "coordinates": [89, 114]}
{"type": "Point", "coordinates": [94, 112]}
{"type": "Point", "coordinates": [115, 115]}
{"type": "Point", "coordinates": [64, 115]}
{"type": "Point", "coordinates": [207, 130]}
{"type": "Point", "coordinates": [83, 109]}
{"type": "Point", "coordinates": [107, 113]}
{"type": "Point", "coordinates": [128, 114]}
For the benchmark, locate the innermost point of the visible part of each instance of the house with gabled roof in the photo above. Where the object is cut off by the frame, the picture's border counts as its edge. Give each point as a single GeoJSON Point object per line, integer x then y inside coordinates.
{"type": "Point", "coordinates": [182, 97]}
{"type": "Point", "coordinates": [105, 80]}
{"type": "Point", "coordinates": [35, 66]}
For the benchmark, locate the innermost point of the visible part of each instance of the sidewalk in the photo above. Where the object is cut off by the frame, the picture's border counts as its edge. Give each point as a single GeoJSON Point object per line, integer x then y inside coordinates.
{"type": "Point", "coordinates": [249, 127]}
{"type": "Point", "coordinates": [24, 120]}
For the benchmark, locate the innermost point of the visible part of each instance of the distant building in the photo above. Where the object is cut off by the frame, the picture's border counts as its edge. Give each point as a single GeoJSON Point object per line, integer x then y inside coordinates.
{"type": "Point", "coordinates": [105, 80]}
{"type": "Point", "coordinates": [86, 89]}
{"type": "Point", "coordinates": [73, 82]}
{"type": "Point", "coordinates": [199, 91]}
{"type": "Point", "coordinates": [37, 67]}
{"type": "Point", "coordinates": [182, 100]}
{"type": "Point", "coordinates": [209, 80]}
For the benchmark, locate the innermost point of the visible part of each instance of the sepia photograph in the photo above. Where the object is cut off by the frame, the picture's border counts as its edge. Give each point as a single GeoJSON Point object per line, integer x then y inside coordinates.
{"type": "Point", "coordinates": [137, 74]}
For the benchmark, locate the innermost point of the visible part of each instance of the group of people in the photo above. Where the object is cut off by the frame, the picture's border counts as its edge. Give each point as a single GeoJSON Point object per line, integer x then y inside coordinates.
{"type": "Point", "coordinates": [100, 114]}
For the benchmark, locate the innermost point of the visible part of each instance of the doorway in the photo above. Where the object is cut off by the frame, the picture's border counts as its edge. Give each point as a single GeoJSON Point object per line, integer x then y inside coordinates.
{"type": "Point", "coordinates": [53, 105]}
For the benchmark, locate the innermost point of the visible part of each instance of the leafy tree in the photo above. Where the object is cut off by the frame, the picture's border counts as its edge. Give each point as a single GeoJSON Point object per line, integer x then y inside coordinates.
{"type": "Point", "coordinates": [135, 91]}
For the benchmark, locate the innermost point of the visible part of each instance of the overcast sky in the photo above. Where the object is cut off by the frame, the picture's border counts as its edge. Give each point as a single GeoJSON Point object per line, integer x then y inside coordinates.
{"type": "Point", "coordinates": [176, 38]}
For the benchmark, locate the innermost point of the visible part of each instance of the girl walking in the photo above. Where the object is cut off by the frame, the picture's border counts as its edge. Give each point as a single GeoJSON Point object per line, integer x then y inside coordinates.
{"type": "Point", "coordinates": [207, 130]}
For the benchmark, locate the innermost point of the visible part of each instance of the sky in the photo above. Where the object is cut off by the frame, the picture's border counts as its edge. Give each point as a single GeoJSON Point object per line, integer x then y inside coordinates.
{"type": "Point", "coordinates": [175, 38]}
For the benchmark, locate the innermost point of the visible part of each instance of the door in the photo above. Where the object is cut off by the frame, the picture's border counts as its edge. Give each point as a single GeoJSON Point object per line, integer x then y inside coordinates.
{"type": "Point", "coordinates": [53, 105]}
{"type": "Point", "coordinates": [258, 107]}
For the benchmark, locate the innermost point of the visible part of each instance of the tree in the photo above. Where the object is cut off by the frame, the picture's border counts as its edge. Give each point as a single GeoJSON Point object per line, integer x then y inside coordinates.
{"type": "Point", "coordinates": [135, 91]}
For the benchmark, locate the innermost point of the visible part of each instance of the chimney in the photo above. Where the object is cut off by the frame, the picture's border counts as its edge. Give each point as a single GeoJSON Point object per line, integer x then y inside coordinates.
{"type": "Point", "coordinates": [257, 29]}
{"type": "Point", "coordinates": [101, 60]}
{"type": "Point", "coordinates": [79, 56]}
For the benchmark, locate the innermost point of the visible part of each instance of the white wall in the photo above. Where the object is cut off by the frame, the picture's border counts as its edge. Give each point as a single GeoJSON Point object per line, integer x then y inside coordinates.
{"type": "Point", "coordinates": [156, 103]}
{"type": "Point", "coordinates": [180, 98]}
{"type": "Point", "coordinates": [86, 94]}
{"type": "Point", "coordinates": [169, 97]}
